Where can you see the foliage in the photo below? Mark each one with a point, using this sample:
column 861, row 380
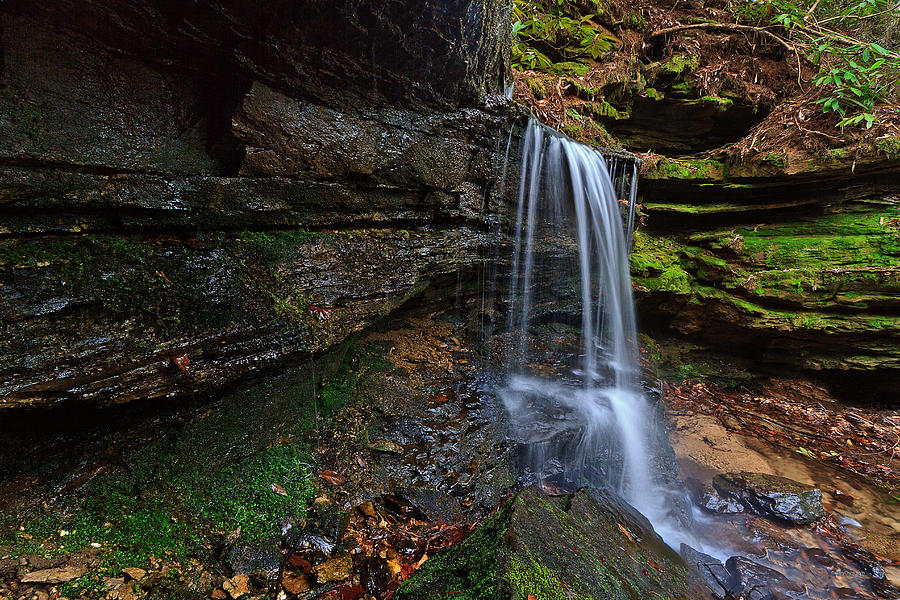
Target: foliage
column 848, row 41
column 861, row 75
column 549, row 31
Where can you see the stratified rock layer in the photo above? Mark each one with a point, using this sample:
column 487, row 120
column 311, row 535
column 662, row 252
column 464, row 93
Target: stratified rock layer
column 788, row 262
column 189, row 194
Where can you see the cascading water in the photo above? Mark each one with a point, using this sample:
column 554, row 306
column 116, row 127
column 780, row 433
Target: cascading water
column 578, row 411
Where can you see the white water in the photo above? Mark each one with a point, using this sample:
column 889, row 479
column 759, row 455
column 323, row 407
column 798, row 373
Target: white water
column 589, row 423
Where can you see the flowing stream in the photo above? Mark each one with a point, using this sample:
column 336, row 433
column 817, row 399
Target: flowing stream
column 587, row 422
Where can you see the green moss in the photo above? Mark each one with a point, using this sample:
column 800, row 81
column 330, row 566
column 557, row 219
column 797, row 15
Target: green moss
column 584, row 91
column 571, row 130
column 605, row 110
column 680, row 64
column 469, row 571
column 653, row 94
column 528, row 578
column 674, row 280
column 342, row 388
column 243, row 463
column 538, row 87
column 890, row 145
column 775, row 158
column 668, row 168
column 273, row 247
column 573, row 69
column 721, row 104
column 652, row 255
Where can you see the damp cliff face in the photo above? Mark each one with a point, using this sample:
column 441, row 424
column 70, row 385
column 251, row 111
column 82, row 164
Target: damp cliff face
column 786, row 263
column 192, row 194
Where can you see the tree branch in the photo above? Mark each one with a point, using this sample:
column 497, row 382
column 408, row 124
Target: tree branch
column 727, row 28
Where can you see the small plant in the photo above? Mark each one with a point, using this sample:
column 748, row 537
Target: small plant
column 555, row 28
column 846, row 41
column 861, row 75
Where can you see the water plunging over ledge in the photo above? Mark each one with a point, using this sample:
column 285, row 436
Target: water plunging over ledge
column 588, row 421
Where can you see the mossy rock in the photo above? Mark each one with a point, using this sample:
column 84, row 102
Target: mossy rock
column 590, row 544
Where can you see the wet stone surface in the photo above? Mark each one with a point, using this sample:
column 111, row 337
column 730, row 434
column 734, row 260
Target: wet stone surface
column 771, row 496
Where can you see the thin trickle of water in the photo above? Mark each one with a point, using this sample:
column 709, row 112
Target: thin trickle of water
column 590, row 423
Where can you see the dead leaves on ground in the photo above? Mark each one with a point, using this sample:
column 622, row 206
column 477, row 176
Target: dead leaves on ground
column 802, row 417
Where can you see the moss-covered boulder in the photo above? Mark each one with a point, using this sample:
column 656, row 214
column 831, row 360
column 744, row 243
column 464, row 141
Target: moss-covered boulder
column 590, row 544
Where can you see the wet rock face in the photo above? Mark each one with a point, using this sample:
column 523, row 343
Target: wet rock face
column 192, row 194
column 349, row 54
column 588, row 545
column 762, row 583
column 783, row 261
column 721, row 582
column 772, row 496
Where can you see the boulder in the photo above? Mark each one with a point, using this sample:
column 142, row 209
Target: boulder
column 772, row 496
column 719, row 581
column 589, row 544
column 762, row 583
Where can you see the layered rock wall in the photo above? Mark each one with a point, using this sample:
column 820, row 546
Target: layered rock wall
column 190, row 194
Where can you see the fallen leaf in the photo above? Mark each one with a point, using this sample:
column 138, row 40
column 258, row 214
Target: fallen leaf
column 297, row 585
column 625, row 531
column 386, row 446
column 332, row 477
column 182, row 362
column 55, row 575
column 237, row 586
column 654, row 565
column 135, row 573
column 334, row 569
column 278, row 489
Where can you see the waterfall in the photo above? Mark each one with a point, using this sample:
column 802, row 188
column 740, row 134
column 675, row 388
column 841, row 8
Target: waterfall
column 573, row 391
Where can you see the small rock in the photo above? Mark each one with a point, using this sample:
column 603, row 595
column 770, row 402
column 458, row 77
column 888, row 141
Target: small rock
column 237, row 586
column 760, row 582
column 717, row 578
column 55, row 575
column 319, row 537
column 135, row 573
column 706, row 497
column 772, row 496
column 865, row 560
column 40, row 563
column 262, row 560
column 218, row 594
column 334, row 569
column 386, row 446
column 297, row 585
column 435, row 506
